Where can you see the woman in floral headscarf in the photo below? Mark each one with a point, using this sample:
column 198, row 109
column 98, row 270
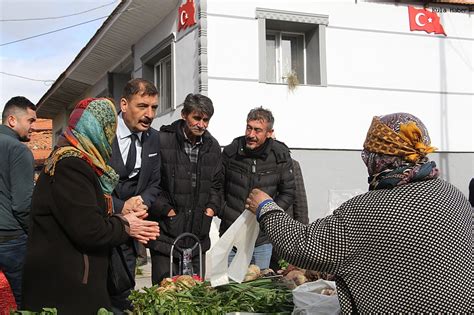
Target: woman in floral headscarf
column 397, row 248
column 72, row 226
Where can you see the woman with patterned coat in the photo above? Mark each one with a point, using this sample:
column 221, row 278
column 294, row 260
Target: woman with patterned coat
column 404, row 246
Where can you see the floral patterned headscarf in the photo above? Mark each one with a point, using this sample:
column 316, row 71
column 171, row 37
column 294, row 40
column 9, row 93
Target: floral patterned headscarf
column 395, row 151
column 89, row 135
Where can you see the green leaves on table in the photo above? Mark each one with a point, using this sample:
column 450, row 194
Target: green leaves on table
column 259, row 296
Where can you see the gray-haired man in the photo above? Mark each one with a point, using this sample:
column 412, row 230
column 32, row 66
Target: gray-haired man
column 191, row 183
column 251, row 161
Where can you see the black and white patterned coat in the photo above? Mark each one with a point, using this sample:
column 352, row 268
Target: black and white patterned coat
column 407, row 249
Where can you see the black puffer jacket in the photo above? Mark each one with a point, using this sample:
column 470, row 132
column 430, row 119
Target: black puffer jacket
column 271, row 172
column 177, row 191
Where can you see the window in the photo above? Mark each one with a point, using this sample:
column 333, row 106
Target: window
column 292, row 44
column 285, row 56
column 158, row 68
column 163, row 83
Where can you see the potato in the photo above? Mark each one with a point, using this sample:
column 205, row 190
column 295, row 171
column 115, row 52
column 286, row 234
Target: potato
column 250, row 276
column 253, row 272
column 297, row 276
column 254, row 268
column 328, row 291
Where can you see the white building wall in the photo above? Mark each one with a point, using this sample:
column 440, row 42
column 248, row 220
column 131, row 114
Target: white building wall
column 184, row 60
column 143, row 45
column 375, row 66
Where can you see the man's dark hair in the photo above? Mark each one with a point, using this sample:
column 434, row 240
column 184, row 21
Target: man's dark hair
column 16, row 103
column 199, row 103
column 139, row 86
column 260, row 113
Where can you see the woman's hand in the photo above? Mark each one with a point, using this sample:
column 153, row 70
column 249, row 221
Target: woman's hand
column 255, row 197
column 142, row 230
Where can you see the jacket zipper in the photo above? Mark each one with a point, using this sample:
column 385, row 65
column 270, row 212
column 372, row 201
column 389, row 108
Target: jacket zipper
column 253, row 171
column 86, row 269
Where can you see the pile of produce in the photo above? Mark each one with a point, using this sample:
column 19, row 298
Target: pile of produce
column 295, row 276
column 185, row 295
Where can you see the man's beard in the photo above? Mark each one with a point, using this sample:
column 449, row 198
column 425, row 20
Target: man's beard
column 25, row 139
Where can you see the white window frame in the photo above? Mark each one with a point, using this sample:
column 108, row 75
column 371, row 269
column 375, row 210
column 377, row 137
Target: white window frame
column 278, row 67
column 313, row 26
column 157, row 57
column 163, row 88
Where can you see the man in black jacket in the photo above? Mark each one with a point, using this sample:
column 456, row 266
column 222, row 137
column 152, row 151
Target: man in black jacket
column 136, row 158
column 256, row 160
column 191, row 183
column 16, row 187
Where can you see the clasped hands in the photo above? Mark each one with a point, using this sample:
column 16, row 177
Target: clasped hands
column 135, row 212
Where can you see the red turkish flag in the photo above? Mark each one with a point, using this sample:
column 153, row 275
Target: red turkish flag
column 186, row 16
column 424, row 20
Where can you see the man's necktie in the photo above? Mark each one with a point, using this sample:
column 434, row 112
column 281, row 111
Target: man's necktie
column 132, row 154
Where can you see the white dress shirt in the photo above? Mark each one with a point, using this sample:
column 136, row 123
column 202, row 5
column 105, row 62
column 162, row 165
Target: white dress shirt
column 124, row 141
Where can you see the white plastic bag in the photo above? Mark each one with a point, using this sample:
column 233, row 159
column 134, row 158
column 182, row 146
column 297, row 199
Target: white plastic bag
column 242, row 234
column 309, row 300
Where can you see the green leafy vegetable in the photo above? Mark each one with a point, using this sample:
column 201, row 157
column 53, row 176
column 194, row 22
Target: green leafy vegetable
column 259, row 296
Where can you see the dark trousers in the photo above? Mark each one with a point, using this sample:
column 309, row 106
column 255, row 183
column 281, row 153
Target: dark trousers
column 160, row 266
column 12, row 258
column 121, row 302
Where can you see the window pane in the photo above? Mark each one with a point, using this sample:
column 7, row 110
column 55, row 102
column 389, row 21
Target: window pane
column 271, row 58
column 292, row 47
column 158, row 77
column 163, row 83
column 286, row 56
column 163, row 96
column 168, row 83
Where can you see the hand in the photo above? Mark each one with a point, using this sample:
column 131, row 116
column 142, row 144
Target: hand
column 140, row 229
column 134, row 204
column 171, row 213
column 255, row 197
column 209, row 212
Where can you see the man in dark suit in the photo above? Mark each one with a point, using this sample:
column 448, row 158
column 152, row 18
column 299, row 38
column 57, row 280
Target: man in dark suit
column 136, row 158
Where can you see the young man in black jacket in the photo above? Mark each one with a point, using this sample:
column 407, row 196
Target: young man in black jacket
column 251, row 161
column 16, row 187
column 191, row 185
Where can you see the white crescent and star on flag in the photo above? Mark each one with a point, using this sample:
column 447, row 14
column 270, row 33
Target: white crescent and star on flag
column 418, row 22
column 183, row 18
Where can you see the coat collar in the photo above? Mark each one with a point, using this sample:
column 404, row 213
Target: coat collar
column 177, row 128
column 9, row 132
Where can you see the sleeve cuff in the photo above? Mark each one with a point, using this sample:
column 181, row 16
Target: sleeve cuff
column 126, row 225
column 261, row 205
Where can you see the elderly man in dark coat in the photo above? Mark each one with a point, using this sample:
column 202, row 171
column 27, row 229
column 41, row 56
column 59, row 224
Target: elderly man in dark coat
column 191, row 182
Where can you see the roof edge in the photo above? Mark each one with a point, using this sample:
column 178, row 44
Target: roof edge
column 99, row 33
